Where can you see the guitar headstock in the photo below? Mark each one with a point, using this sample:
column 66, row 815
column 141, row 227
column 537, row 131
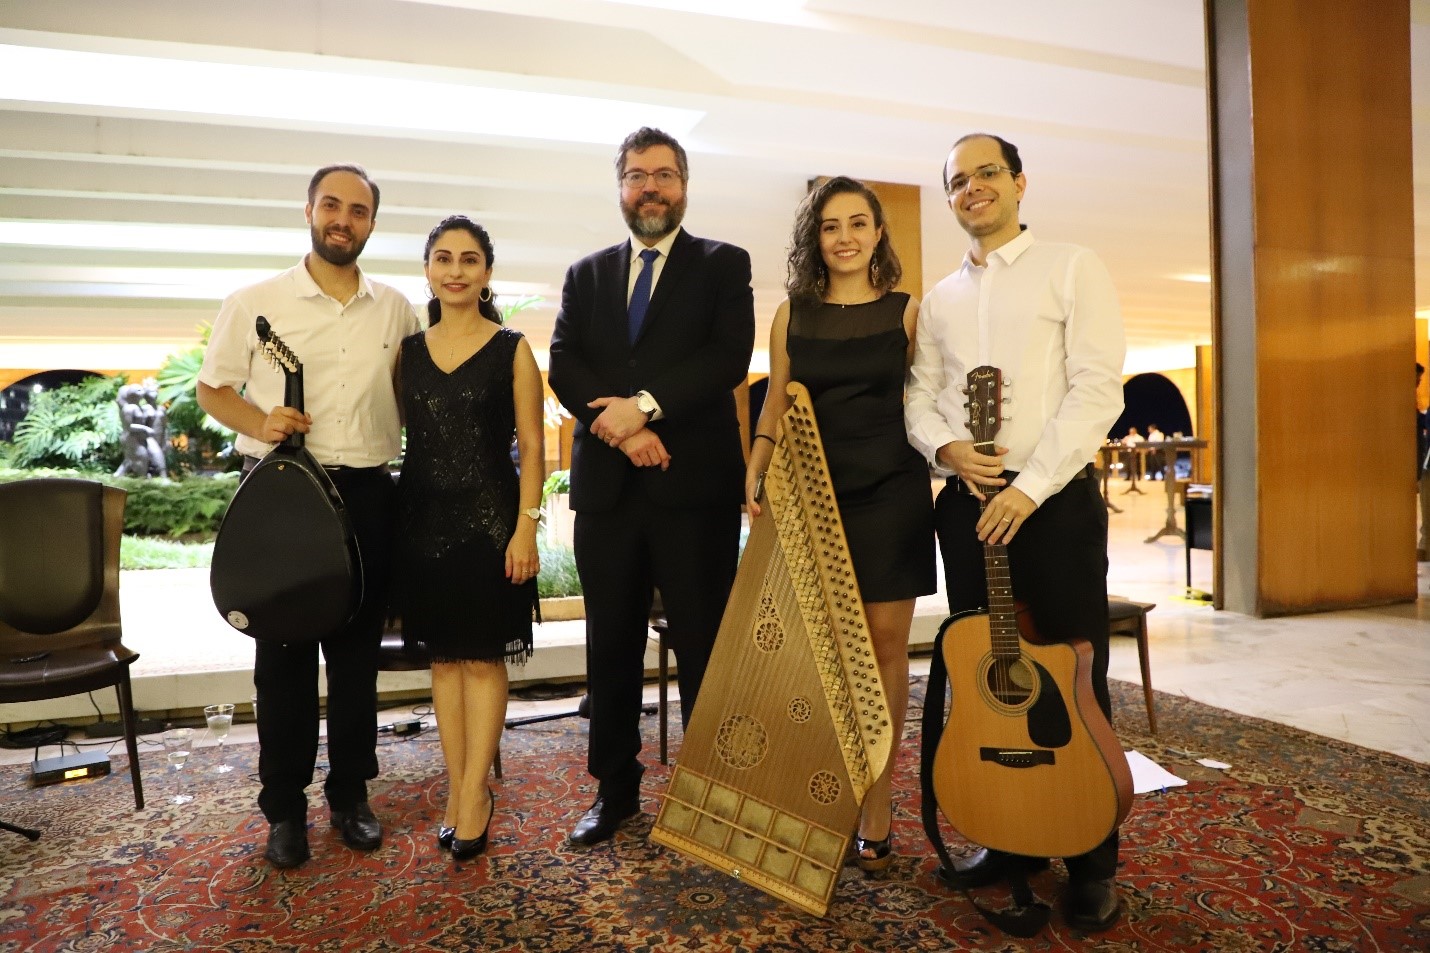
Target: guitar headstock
column 274, row 351
column 985, row 406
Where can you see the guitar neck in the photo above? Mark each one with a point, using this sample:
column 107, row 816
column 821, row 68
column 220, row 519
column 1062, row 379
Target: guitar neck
column 1002, row 610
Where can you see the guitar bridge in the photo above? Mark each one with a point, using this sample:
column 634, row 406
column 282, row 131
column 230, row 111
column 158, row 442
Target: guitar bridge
column 1017, row 757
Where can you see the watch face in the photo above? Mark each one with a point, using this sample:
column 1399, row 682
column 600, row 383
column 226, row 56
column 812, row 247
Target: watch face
column 645, row 403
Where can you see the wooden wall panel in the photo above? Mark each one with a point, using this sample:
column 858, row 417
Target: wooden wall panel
column 1314, row 301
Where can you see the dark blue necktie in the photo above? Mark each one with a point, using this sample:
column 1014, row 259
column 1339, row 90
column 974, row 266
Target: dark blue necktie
column 640, row 295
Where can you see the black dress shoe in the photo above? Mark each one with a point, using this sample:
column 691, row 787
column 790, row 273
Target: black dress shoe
column 1092, row 905
column 360, row 829
column 445, row 836
column 984, row 866
column 287, row 844
column 601, row 821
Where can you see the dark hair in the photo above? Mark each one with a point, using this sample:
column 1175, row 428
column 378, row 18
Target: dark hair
column 487, row 308
column 645, row 137
column 808, row 273
column 1011, row 159
column 356, row 170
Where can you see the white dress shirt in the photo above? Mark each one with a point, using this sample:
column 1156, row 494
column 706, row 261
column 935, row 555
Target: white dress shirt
column 1047, row 316
column 348, row 351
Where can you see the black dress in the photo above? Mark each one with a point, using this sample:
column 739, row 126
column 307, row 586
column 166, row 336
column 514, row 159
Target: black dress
column 459, row 496
column 852, row 359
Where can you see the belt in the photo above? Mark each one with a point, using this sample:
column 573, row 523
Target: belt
column 957, row 485
column 250, row 462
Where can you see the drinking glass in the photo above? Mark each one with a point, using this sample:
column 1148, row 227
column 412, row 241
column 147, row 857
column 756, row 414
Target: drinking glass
column 220, row 719
column 178, row 743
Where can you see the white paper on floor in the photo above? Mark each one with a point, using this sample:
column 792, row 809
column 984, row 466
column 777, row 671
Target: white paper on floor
column 1148, row 775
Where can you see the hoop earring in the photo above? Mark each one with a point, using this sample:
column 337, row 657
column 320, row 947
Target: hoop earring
column 428, row 286
column 485, row 294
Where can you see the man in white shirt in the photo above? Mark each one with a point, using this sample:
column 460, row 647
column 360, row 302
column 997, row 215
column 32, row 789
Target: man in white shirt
column 1047, row 316
column 347, row 331
column 1154, row 463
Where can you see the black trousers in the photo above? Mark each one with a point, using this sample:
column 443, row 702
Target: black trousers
column 1058, row 565
column 622, row 555
column 286, row 675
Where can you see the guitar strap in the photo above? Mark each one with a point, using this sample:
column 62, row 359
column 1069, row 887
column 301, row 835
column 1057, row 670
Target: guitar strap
column 1027, row 917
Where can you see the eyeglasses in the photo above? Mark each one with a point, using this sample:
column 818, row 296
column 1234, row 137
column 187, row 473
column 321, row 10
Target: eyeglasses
column 665, row 178
column 985, row 174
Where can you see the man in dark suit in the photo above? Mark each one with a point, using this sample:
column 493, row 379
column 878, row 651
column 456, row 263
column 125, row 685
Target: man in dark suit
column 653, row 336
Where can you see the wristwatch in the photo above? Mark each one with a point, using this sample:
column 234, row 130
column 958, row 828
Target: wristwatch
column 645, row 403
column 534, row 513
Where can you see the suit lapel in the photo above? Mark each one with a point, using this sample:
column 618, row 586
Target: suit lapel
column 681, row 257
column 618, row 265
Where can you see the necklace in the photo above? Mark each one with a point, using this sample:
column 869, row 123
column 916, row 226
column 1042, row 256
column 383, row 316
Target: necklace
column 850, row 304
column 454, row 340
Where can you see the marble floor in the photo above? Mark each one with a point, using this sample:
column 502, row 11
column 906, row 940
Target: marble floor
column 1361, row 676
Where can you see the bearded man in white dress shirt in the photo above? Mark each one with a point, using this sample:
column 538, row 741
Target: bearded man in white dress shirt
column 1047, row 316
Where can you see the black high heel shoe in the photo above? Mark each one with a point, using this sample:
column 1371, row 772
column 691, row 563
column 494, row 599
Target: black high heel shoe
column 467, row 849
column 880, row 853
column 445, row 836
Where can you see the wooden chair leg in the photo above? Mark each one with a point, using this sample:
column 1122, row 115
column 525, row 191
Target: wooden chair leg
column 1146, row 673
column 664, row 681
column 131, row 741
column 496, row 765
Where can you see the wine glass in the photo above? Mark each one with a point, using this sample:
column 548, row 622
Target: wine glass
column 178, row 743
column 220, row 719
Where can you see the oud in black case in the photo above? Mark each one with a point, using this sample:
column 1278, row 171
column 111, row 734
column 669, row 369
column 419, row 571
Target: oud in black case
column 286, row 566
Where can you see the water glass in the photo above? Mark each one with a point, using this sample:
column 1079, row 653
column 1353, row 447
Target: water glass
column 178, row 745
column 220, row 719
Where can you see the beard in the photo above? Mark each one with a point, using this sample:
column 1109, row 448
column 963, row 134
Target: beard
column 656, row 224
column 342, row 257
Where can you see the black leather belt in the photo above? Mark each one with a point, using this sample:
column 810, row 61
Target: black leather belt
column 958, row 486
column 250, row 462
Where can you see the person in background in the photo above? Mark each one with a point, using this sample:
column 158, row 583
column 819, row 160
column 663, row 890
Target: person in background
column 1047, row 316
column 1154, row 461
column 653, row 336
column 467, row 543
column 1134, row 460
column 346, row 330
column 848, row 337
column 1422, row 467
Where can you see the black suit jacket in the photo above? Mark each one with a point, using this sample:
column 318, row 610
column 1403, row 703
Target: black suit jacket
column 693, row 351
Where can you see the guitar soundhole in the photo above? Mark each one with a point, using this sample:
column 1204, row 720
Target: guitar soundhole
column 1009, row 683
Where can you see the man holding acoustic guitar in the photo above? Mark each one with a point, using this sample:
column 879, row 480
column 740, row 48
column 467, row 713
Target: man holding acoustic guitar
column 1040, row 323
column 348, row 331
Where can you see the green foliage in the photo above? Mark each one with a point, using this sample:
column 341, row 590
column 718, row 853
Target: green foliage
column 559, row 481
column 558, row 571
column 77, row 425
column 189, row 507
column 177, row 380
column 151, row 552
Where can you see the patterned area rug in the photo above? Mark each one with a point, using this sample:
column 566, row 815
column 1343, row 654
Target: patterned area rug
column 1302, row 844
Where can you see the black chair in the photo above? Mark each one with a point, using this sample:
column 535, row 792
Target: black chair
column 59, row 597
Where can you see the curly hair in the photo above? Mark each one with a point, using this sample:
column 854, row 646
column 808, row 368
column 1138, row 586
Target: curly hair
column 488, row 308
column 808, row 274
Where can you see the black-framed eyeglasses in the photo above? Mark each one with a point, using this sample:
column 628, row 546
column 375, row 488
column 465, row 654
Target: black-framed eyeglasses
column 664, row 178
column 985, row 173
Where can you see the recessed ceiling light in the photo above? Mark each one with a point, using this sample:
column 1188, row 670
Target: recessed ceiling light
column 367, row 100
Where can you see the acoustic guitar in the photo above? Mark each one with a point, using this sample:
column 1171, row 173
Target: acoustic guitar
column 1028, row 763
column 286, row 566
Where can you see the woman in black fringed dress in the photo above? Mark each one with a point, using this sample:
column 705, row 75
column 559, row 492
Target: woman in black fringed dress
column 848, row 338
column 467, row 552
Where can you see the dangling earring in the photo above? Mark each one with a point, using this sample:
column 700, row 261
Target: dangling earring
column 823, row 274
column 485, row 294
column 874, row 272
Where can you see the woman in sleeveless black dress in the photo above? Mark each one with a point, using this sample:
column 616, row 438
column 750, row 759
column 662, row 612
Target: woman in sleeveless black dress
column 467, row 553
column 848, row 338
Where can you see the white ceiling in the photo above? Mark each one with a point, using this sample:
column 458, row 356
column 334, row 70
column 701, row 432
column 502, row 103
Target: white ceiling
column 1105, row 98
